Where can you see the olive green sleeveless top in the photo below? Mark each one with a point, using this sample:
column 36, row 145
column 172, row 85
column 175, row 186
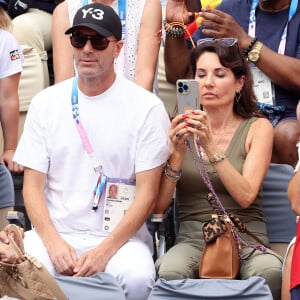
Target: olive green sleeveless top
column 191, row 191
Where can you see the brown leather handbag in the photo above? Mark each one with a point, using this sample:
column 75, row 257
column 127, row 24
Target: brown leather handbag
column 220, row 257
column 28, row 279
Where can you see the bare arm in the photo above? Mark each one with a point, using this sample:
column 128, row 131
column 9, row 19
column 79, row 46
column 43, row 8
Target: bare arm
column 62, row 51
column 149, row 43
column 95, row 260
column 176, row 54
column 245, row 187
column 270, row 62
column 178, row 151
column 9, row 116
column 294, row 193
column 62, row 255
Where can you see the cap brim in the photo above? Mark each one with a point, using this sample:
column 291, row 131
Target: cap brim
column 100, row 30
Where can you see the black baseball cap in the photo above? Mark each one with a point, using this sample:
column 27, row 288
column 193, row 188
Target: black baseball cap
column 99, row 17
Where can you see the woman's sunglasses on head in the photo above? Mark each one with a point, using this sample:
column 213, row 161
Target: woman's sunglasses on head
column 78, row 40
column 227, row 42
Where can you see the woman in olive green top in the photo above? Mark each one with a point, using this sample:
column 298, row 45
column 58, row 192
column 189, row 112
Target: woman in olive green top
column 236, row 144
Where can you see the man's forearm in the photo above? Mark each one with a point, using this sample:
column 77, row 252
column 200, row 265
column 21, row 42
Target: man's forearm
column 177, row 59
column 36, row 205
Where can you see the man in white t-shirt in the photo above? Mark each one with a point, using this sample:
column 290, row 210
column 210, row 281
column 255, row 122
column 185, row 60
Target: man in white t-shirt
column 80, row 136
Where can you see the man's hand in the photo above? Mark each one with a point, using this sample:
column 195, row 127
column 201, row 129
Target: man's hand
column 223, row 25
column 62, row 255
column 91, row 262
column 176, row 11
column 7, row 159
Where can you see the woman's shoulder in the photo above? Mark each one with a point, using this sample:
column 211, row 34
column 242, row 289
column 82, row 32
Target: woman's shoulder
column 261, row 122
column 261, row 126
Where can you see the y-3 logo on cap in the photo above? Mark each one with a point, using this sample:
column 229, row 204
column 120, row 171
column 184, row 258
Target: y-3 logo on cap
column 95, row 13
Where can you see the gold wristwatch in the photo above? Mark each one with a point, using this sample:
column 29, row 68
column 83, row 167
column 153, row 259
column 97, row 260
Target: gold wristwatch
column 254, row 54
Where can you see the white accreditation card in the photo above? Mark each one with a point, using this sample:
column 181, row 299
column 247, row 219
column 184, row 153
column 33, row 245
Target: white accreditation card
column 118, row 198
column 263, row 87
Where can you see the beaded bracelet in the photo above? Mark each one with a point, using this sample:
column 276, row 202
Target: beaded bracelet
column 171, row 177
column 177, row 172
column 249, row 48
column 175, row 30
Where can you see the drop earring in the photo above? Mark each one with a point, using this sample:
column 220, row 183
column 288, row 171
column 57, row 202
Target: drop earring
column 237, row 97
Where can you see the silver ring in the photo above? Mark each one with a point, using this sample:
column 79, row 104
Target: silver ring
column 202, row 127
column 177, row 134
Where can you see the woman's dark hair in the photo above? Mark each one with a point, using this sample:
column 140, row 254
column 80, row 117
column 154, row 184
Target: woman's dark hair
column 230, row 57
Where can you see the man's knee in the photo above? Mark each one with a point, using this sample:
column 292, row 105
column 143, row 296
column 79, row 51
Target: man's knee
column 137, row 285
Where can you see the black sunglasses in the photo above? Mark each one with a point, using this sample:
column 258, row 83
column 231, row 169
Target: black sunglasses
column 78, row 40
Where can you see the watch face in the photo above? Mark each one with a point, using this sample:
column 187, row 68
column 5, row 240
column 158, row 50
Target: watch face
column 253, row 56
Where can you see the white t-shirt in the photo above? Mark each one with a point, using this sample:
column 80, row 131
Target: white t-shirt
column 128, row 129
column 11, row 56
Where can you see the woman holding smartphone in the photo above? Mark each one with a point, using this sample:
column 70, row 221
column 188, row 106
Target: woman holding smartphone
column 236, row 145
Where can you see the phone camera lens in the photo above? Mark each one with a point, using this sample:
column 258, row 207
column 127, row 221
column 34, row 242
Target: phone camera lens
column 185, row 87
column 180, row 90
column 180, row 84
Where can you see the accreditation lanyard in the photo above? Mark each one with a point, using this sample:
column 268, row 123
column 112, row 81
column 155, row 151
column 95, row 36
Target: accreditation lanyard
column 101, row 181
column 121, row 12
column 252, row 23
column 122, row 15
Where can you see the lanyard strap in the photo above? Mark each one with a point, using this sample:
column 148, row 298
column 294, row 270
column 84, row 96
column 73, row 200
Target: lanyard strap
column 252, row 23
column 122, row 15
column 101, row 182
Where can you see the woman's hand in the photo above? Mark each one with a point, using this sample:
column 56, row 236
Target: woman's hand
column 7, row 253
column 188, row 124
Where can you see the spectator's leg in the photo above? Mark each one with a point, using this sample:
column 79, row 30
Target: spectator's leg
column 286, row 136
column 180, row 262
column 133, row 267
column 267, row 265
column 7, row 196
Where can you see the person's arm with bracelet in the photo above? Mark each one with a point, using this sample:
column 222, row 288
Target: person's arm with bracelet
column 176, row 53
column 172, row 170
column 223, row 25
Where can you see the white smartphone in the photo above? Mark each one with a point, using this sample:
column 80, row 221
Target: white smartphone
column 187, row 95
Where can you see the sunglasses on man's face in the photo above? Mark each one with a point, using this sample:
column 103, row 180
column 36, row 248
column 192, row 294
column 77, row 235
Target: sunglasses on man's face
column 78, row 40
column 227, row 42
